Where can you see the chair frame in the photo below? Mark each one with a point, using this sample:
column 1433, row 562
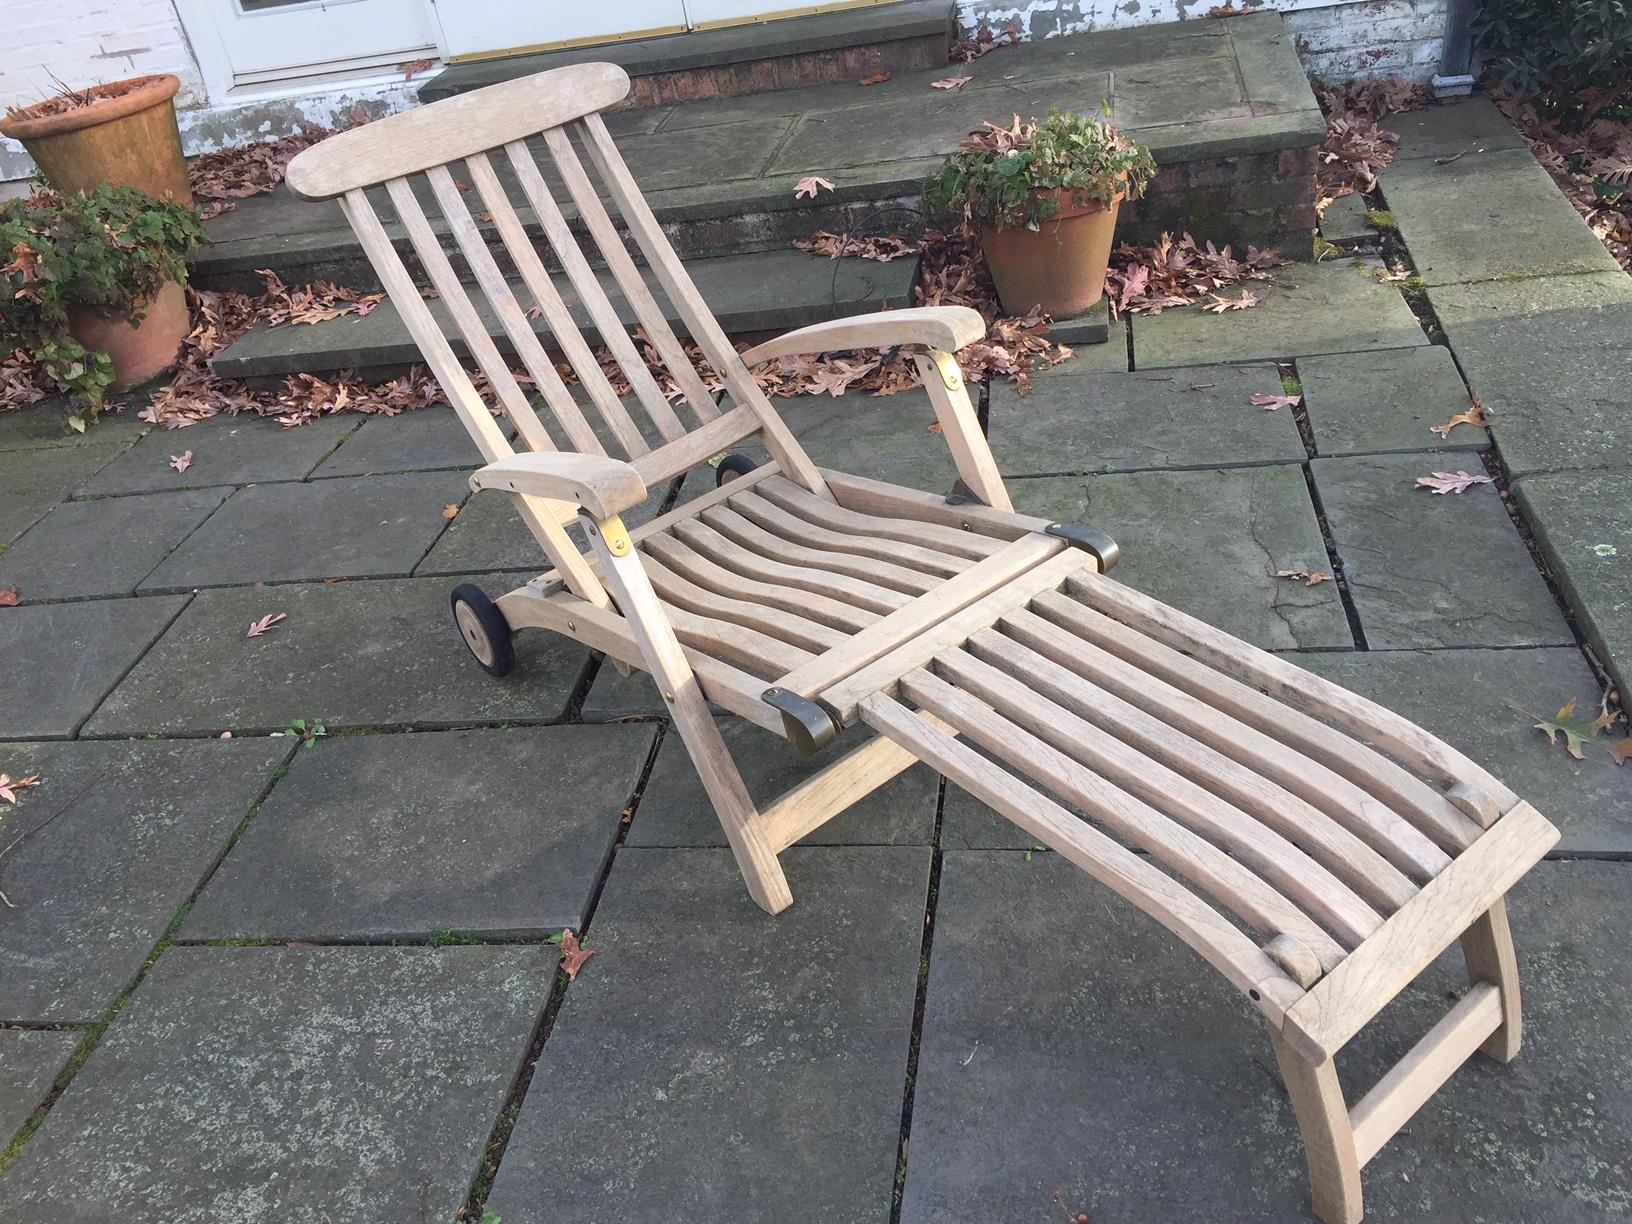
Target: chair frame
column 983, row 642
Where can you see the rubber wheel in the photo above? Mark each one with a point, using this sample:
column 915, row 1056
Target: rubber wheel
column 484, row 628
column 732, row 466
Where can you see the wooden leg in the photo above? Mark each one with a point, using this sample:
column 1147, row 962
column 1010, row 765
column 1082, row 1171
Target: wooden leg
column 1487, row 946
column 687, row 706
column 1328, row 1139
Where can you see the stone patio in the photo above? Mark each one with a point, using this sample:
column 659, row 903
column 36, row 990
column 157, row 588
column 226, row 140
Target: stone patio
column 947, row 1018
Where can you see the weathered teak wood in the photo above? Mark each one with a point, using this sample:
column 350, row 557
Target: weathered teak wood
column 1314, row 848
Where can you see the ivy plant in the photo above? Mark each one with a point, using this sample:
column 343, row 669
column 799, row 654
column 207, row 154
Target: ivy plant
column 110, row 249
column 1003, row 177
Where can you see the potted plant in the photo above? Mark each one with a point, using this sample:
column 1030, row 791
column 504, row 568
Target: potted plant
column 121, row 134
column 1044, row 197
column 93, row 286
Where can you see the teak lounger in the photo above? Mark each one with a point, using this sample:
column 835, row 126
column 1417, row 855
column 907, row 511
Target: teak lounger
column 1314, row 848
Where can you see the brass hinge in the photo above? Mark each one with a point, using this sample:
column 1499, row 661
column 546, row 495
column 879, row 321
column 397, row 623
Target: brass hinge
column 947, row 364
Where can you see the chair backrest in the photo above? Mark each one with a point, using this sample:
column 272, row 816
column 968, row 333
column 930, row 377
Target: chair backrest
column 487, row 131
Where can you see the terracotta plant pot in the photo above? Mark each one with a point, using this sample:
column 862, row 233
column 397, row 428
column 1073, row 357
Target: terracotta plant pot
column 138, row 351
column 125, row 137
column 1060, row 265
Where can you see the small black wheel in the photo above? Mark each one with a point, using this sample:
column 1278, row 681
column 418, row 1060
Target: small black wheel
column 484, row 628
column 733, row 465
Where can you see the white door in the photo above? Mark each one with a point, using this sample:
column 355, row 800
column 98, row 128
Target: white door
column 477, row 29
column 267, row 43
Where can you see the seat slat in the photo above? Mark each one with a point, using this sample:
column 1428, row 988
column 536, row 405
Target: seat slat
column 784, row 626
column 852, row 565
column 1129, row 875
column 593, row 297
column 1305, row 692
column 473, row 245
column 1283, row 865
column 1369, row 818
column 759, row 652
column 790, row 527
column 728, row 553
column 1330, row 843
column 684, row 560
column 836, row 518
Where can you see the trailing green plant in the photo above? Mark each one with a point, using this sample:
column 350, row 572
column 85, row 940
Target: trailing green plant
column 110, row 249
column 998, row 175
column 1545, row 45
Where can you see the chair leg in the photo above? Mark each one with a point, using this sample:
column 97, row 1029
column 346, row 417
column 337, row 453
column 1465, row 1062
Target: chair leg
column 1487, row 947
column 1328, row 1138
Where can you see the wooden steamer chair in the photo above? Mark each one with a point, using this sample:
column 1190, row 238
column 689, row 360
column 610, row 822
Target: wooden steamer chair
column 1314, row 848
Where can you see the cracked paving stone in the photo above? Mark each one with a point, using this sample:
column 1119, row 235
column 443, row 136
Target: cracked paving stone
column 1430, row 570
column 1098, row 1059
column 116, row 837
column 269, row 1085
column 29, row 1062
column 766, row 1090
column 375, row 837
column 1210, row 543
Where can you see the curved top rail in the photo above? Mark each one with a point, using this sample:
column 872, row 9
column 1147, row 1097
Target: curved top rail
column 454, row 128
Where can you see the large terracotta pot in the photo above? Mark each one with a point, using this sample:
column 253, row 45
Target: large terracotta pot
column 141, row 351
column 1060, row 265
column 125, row 137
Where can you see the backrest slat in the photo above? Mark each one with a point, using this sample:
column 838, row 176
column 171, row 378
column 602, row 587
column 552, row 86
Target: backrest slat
column 683, row 295
column 546, row 300
column 590, row 293
column 593, row 214
column 470, row 325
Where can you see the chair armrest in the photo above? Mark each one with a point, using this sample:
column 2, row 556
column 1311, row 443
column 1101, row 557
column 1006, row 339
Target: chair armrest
column 947, row 328
column 600, row 485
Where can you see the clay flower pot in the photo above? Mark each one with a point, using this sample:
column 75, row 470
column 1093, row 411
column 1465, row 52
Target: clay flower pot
column 138, row 351
column 1060, row 265
column 126, row 136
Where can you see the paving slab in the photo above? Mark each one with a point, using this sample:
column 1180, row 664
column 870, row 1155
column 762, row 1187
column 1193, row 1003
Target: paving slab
column 1549, row 357
column 1476, row 700
column 376, row 837
column 117, row 838
column 105, row 546
column 74, row 654
column 1433, row 570
column 674, row 811
column 359, row 527
column 350, row 654
column 32, row 481
column 613, row 696
column 226, row 450
column 1092, row 358
column 262, row 1085
column 1344, row 220
column 1114, row 1069
column 885, row 437
column 422, row 440
column 45, row 425
column 1459, row 129
column 1210, row 543
column 1491, row 216
column 1363, row 403
column 29, row 1062
column 1197, row 418
column 1309, row 309
column 1583, row 526
column 772, row 1094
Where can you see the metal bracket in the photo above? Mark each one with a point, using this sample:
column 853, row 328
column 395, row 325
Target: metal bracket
column 947, row 364
column 809, row 726
column 612, row 531
column 1091, row 540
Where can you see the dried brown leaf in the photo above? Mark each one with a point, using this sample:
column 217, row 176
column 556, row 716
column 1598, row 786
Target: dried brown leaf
column 451, row 510
column 811, row 186
column 1274, row 403
column 956, row 82
column 1307, row 577
column 10, row 596
column 573, row 954
column 182, row 461
column 265, row 624
column 9, row 786
column 1451, row 482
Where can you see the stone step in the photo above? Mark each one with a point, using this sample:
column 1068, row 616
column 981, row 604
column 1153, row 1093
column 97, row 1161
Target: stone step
column 1222, row 103
column 769, row 291
column 733, row 60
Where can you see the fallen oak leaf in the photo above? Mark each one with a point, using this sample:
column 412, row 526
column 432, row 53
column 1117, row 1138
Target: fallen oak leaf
column 1273, row 403
column 878, row 78
column 182, row 461
column 1477, row 415
column 1452, row 482
column 414, row 67
column 9, row 788
column 1576, row 731
column 1218, row 305
column 957, row 82
column 1307, row 577
column 811, row 185
column 9, row 596
column 1620, row 749
column 451, row 510
column 573, row 953
column 266, row 623
column 934, row 427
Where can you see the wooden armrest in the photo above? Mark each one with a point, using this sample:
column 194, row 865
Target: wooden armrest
column 600, row 485
column 947, row 328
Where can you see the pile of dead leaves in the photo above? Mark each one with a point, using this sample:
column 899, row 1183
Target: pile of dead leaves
column 1356, row 148
column 883, row 247
column 1170, row 272
column 233, row 174
column 1590, row 159
column 968, row 50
